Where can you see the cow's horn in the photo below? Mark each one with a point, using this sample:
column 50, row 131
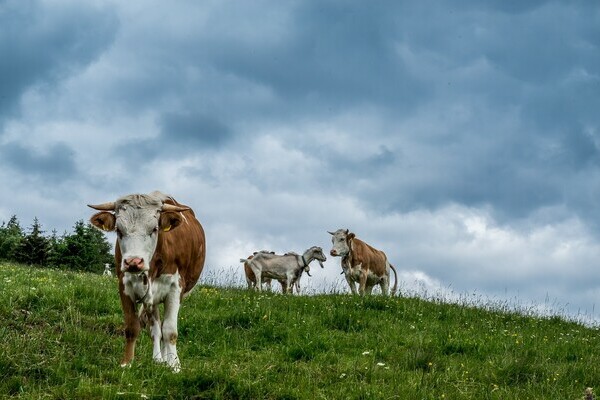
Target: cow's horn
column 331, row 233
column 171, row 207
column 103, row 207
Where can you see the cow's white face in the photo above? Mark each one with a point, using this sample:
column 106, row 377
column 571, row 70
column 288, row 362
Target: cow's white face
column 137, row 219
column 137, row 234
column 341, row 242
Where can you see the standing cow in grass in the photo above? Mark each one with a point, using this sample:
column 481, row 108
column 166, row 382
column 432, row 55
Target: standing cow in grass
column 362, row 263
column 159, row 254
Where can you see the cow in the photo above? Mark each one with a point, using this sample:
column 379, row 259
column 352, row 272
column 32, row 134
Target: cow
column 287, row 269
column 362, row 263
column 250, row 277
column 159, row 254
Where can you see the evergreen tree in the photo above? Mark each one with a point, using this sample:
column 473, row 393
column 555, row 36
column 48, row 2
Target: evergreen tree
column 34, row 247
column 11, row 235
column 85, row 250
column 55, row 248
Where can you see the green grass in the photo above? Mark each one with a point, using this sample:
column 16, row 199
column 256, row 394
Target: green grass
column 61, row 337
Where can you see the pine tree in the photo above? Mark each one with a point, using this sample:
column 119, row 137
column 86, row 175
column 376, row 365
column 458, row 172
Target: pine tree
column 11, row 235
column 55, row 248
column 34, row 247
column 86, row 249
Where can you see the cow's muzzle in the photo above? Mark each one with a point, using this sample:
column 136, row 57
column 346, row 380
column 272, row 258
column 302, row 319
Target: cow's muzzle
column 134, row 264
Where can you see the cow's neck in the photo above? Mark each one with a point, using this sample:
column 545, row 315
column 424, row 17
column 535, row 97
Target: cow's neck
column 348, row 259
column 147, row 282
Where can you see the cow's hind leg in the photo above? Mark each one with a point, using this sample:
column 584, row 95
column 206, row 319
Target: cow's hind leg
column 169, row 330
column 385, row 285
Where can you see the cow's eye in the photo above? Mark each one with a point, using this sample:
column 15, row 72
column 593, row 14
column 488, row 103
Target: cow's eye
column 119, row 233
column 155, row 229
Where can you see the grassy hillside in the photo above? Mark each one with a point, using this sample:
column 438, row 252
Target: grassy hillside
column 62, row 338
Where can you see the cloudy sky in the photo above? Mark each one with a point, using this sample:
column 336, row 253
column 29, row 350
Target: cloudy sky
column 462, row 138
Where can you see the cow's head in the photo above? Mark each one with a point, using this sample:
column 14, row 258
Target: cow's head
column 342, row 242
column 137, row 219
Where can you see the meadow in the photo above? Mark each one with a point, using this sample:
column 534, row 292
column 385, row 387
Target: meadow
column 62, row 338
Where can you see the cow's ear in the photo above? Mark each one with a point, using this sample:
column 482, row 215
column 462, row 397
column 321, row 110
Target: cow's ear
column 169, row 220
column 350, row 236
column 104, row 220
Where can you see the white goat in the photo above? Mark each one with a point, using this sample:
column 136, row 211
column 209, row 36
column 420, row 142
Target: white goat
column 287, row 269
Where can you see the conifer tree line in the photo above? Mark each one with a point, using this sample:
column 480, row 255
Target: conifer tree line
column 86, row 249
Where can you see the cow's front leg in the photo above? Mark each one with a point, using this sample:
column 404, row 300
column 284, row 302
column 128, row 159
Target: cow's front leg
column 362, row 280
column 350, row 283
column 132, row 329
column 155, row 332
column 169, row 328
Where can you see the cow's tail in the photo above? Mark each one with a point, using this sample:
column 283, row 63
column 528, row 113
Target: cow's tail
column 396, row 281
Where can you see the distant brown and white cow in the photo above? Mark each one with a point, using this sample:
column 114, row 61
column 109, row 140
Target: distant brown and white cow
column 362, row 263
column 159, row 253
column 287, row 269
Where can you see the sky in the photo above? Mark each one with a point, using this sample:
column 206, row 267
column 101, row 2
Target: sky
column 462, row 138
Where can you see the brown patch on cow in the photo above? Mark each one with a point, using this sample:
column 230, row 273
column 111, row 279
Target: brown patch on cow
column 173, row 338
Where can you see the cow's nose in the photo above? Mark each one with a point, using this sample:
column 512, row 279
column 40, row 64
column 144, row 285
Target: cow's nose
column 134, row 264
column 333, row 253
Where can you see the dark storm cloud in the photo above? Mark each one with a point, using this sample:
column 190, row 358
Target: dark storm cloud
column 193, row 130
column 334, row 55
column 461, row 137
column 51, row 165
column 41, row 44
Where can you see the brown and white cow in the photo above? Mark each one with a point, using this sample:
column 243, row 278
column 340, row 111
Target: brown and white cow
column 362, row 263
column 159, row 254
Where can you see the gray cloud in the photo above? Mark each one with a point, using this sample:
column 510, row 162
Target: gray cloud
column 41, row 44
column 194, row 130
column 401, row 120
column 52, row 165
